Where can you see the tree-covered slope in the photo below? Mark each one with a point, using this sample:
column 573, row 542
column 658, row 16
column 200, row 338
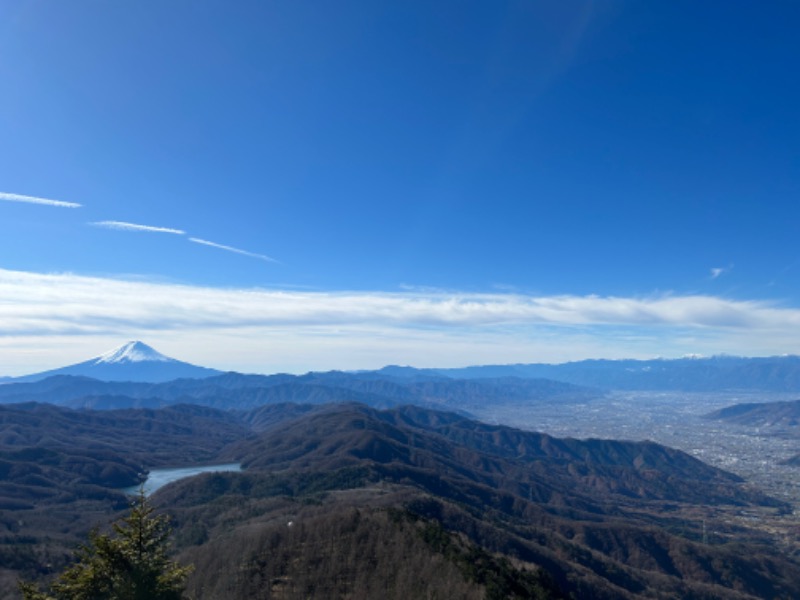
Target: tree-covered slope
column 344, row 500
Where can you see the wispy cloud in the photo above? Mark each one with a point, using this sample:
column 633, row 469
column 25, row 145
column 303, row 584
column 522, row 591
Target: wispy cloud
column 232, row 249
column 135, row 227
column 719, row 271
column 123, row 226
column 70, row 298
column 269, row 330
column 36, row 200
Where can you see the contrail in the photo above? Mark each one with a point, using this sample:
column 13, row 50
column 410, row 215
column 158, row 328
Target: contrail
column 35, row 200
column 231, row 249
column 123, row 226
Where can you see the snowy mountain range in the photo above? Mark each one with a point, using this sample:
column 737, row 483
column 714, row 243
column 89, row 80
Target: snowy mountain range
column 133, row 361
column 139, row 363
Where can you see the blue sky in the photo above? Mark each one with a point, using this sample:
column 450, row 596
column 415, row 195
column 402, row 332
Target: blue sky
column 269, row 186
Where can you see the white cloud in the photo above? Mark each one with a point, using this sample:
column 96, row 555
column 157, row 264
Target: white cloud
column 123, row 226
column 719, row 271
column 270, row 330
column 135, row 227
column 231, row 249
column 36, row 200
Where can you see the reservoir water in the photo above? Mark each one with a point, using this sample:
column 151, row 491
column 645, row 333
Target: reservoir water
column 158, row 478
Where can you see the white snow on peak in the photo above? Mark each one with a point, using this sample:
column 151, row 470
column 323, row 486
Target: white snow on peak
column 131, row 352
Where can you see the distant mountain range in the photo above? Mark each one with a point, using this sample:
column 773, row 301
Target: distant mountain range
column 133, row 361
column 382, row 477
column 243, row 392
column 708, row 374
column 136, row 362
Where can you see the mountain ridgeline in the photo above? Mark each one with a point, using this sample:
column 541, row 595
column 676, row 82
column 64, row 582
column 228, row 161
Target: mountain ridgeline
column 783, row 416
column 380, row 484
column 695, row 374
column 242, row 392
column 133, row 361
column 344, row 499
column 136, row 375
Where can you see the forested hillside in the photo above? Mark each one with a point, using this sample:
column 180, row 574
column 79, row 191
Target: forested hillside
column 344, row 499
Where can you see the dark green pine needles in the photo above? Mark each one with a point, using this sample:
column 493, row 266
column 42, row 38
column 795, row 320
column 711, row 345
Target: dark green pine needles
column 130, row 564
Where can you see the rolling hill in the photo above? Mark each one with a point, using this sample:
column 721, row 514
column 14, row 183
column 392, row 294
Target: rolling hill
column 344, row 499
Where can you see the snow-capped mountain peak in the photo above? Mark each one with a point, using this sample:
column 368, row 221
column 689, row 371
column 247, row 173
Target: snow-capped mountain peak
column 132, row 352
column 134, row 361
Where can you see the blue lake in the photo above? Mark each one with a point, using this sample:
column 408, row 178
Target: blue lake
column 158, row 478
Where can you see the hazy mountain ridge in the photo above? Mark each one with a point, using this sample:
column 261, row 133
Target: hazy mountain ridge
column 137, row 362
column 716, row 373
column 775, row 415
column 242, row 392
column 780, row 419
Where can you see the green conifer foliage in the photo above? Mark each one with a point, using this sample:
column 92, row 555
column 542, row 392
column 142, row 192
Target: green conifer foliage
column 130, row 564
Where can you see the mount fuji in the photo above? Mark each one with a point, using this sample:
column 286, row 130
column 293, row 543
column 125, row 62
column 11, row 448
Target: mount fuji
column 133, row 361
